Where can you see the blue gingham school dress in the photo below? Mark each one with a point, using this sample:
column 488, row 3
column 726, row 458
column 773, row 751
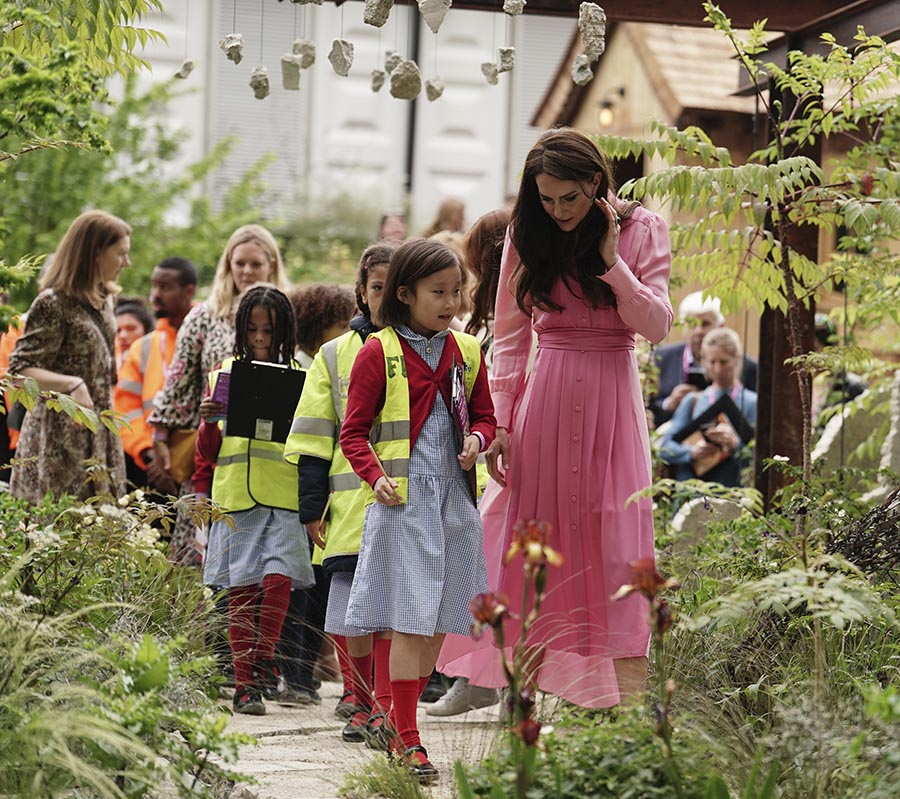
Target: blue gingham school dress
column 260, row 541
column 336, row 612
column 421, row 563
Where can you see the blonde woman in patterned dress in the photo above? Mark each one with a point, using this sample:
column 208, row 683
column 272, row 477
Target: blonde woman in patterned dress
column 205, row 339
column 67, row 347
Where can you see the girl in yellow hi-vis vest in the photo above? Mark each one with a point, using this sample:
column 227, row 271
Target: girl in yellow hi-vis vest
column 421, row 559
column 264, row 551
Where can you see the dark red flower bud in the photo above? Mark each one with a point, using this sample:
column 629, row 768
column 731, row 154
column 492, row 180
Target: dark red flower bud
column 867, row 183
column 528, row 731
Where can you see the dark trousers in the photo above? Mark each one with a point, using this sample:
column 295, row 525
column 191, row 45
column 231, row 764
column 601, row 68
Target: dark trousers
column 303, row 633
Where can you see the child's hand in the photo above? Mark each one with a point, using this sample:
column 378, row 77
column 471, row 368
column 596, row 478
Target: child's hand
column 385, row 491
column 209, row 407
column 471, row 448
column 316, row 531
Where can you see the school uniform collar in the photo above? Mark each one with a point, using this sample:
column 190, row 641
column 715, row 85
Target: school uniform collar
column 411, row 335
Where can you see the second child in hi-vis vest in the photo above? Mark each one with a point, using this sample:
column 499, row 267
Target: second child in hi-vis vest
column 332, row 502
column 421, row 559
column 262, row 552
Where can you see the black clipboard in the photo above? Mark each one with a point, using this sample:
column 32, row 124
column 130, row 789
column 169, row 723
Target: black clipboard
column 262, row 399
column 725, row 404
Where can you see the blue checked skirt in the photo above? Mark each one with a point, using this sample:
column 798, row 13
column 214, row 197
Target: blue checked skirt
column 338, row 599
column 421, row 563
column 263, row 541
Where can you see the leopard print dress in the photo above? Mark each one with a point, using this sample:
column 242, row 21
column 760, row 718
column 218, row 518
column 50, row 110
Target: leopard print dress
column 70, row 337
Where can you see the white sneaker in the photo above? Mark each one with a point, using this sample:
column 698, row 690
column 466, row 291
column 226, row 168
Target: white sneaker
column 461, row 698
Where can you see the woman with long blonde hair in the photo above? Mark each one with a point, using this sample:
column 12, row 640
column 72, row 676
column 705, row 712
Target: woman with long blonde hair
column 205, row 339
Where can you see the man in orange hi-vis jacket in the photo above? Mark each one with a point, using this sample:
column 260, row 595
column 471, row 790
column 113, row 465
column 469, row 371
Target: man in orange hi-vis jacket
column 143, row 371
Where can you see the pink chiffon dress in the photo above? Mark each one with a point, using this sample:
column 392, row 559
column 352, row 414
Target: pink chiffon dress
column 579, row 450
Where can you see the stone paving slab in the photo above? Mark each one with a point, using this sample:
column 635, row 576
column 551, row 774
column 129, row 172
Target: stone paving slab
column 300, row 754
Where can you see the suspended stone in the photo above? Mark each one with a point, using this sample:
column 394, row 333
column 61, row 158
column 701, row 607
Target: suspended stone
column 433, row 12
column 307, row 2
column 377, row 12
column 490, row 70
column 391, row 59
column 186, row 68
column 259, row 82
column 290, row 72
column 341, row 56
column 513, row 7
column 378, row 78
column 406, row 81
column 306, row 49
column 434, row 87
column 582, row 73
column 592, row 24
column 233, row 45
column 507, row 58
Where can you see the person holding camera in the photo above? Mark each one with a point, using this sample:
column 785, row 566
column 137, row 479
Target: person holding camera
column 715, row 452
column 680, row 371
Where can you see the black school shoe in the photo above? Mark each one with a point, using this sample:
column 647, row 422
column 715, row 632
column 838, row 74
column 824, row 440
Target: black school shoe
column 417, row 763
column 345, row 707
column 354, row 731
column 434, row 688
column 248, row 702
column 267, row 678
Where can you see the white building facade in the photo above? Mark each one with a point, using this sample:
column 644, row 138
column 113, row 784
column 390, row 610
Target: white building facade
column 336, row 136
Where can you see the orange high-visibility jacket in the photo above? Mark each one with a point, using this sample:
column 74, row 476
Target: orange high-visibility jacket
column 7, row 345
column 141, row 378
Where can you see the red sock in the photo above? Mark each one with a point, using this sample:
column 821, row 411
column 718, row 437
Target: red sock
column 343, row 656
column 382, row 655
column 276, row 595
column 362, row 680
column 423, row 681
column 405, row 696
column 241, row 631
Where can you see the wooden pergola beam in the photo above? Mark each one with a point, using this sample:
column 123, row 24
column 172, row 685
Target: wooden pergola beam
column 782, row 15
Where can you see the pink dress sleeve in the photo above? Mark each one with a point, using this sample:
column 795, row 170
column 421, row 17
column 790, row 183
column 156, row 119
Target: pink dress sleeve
column 512, row 341
column 640, row 278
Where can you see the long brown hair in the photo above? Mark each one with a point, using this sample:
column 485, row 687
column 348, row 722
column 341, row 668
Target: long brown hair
column 483, row 247
column 546, row 253
column 75, row 269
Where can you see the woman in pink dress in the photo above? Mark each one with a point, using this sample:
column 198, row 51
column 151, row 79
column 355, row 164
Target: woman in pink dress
column 586, row 272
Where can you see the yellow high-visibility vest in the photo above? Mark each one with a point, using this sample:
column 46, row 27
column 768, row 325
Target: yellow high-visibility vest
column 391, row 428
column 316, row 431
column 251, row 472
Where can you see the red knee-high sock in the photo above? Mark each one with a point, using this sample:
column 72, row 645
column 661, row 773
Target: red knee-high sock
column 382, row 656
column 242, row 631
column 343, row 656
column 362, row 680
column 405, row 696
column 276, row 595
column 423, row 681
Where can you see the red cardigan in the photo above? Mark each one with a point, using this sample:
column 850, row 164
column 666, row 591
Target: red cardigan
column 366, row 399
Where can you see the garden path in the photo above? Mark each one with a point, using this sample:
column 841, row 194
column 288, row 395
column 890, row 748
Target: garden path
column 300, row 754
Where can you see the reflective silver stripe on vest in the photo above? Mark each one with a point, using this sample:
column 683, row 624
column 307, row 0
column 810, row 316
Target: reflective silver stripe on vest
column 243, row 457
column 132, row 415
column 227, row 460
column 345, row 482
column 330, row 356
column 131, row 386
column 266, row 454
column 397, row 467
column 146, row 341
column 390, row 431
column 310, row 426
column 147, row 405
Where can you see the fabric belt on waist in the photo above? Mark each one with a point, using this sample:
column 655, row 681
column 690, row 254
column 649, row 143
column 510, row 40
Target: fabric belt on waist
column 575, row 338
